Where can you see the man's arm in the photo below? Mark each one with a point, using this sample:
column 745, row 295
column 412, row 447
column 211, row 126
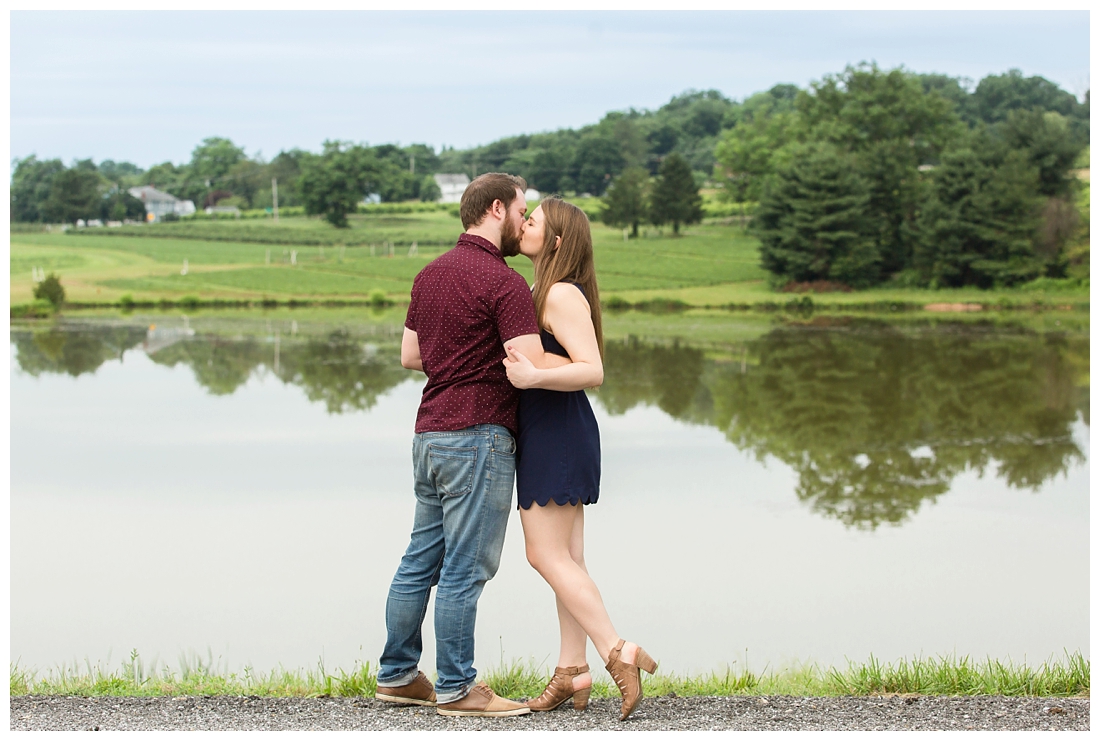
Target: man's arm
column 531, row 346
column 410, row 351
column 570, row 320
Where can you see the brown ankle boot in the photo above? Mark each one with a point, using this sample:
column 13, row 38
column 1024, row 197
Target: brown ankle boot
column 561, row 689
column 627, row 676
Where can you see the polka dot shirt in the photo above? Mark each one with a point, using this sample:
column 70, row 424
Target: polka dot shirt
column 465, row 305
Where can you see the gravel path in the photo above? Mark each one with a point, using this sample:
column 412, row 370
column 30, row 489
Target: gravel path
column 898, row 713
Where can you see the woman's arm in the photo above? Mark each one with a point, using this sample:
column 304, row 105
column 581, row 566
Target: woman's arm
column 569, row 318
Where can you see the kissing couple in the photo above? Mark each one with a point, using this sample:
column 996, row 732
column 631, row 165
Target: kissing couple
column 504, row 404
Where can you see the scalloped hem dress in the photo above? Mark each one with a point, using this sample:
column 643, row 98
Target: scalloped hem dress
column 558, row 446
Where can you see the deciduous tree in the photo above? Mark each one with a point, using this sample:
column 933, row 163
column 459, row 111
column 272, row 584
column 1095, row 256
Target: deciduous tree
column 625, row 201
column 74, row 194
column 30, row 187
column 50, row 289
column 334, row 183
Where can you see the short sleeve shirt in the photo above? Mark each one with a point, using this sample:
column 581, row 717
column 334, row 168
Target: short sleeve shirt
column 465, row 305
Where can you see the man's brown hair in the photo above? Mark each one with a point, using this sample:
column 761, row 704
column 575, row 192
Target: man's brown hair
column 479, row 195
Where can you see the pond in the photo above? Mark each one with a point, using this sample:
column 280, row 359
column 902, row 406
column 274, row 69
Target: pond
column 236, row 490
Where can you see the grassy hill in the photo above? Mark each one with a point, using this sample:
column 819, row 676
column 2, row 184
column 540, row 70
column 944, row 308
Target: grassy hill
column 714, row 263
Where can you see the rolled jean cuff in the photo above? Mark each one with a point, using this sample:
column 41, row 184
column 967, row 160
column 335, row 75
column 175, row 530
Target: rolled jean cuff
column 401, row 680
column 441, row 698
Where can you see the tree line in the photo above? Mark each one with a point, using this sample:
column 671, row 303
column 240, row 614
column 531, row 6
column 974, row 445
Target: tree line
column 47, row 191
column 872, row 176
column 219, row 173
column 868, row 176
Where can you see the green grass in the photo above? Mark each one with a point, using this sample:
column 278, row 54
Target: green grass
column 945, row 675
column 426, row 227
column 275, row 280
column 706, row 255
column 711, row 264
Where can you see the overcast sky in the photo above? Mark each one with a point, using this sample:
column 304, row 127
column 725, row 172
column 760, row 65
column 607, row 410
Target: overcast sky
column 148, row 86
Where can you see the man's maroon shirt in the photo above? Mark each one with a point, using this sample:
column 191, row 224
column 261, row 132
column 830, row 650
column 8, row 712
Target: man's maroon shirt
column 465, row 305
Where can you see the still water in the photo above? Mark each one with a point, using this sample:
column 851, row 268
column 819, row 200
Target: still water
column 237, row 490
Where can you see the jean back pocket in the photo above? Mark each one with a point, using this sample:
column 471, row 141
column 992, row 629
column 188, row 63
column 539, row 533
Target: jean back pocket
column 452, row 469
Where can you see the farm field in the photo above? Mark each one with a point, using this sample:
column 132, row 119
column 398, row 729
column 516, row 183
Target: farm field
column 711, row 264
column 300, row 258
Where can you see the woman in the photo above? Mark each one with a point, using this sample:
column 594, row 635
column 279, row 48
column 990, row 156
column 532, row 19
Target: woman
column 558, row 453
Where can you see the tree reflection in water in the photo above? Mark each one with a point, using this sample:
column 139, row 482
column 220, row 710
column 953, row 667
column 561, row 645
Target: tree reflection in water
column 344, row 371
column 875, row 419
column 72, row 350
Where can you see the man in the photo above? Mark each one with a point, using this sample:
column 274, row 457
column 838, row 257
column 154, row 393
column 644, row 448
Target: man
column 465, row 305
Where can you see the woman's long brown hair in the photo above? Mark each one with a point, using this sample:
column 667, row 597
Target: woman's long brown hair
column 571, row 261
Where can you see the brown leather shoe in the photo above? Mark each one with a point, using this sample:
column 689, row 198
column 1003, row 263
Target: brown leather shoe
column 482, row 702
column 561, row 689
column 627, row 676
column 417, row 692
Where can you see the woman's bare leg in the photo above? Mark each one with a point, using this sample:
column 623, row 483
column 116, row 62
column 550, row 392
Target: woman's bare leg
column 574, row 641
column 554, row 536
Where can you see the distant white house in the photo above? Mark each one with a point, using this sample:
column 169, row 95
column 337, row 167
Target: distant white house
column 158, row 203
column 451, row 186
column 532, row 195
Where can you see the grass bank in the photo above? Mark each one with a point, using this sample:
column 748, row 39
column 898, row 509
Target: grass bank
column 945, row 675
column 307, row 261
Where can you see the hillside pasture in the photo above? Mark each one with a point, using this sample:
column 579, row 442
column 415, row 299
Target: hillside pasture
column 710, row 264
column 253, row 258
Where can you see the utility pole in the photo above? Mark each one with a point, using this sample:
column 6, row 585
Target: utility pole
column 275, row 197
column 412, row 164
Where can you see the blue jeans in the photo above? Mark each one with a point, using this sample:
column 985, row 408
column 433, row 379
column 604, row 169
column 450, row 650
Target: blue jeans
column 463, row 485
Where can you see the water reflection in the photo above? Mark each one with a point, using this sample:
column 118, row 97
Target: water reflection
column 343, row 372
column 874, row 419
column 339, row 369
column 74, row 350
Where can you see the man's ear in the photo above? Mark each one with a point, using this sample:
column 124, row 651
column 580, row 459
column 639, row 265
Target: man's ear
column 500, row 212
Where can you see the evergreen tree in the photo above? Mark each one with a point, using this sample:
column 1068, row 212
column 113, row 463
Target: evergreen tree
column 981, row 218
column 625, row 202
column 892, row 126
column 675, row 198
column 812, row 221
column 1049, row 144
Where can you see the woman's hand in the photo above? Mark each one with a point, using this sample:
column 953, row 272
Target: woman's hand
column 521, row 372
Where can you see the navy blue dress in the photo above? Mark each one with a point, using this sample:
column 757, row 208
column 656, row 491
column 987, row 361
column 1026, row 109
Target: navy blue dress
column 558, row 447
